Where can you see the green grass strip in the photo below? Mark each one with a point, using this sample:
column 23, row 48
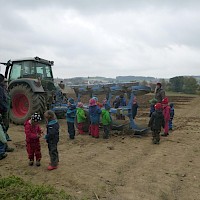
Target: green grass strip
column 15, row 188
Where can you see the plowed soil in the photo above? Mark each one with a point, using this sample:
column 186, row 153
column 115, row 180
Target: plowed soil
column 123, row 167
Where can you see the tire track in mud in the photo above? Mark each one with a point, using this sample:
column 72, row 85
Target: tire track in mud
column 166, row 171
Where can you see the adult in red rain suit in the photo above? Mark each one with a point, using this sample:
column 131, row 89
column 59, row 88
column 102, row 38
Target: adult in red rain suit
column 33, row 133
column 166, row 113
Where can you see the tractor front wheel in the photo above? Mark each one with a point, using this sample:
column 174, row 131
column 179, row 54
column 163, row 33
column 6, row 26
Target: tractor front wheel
column 25, row 103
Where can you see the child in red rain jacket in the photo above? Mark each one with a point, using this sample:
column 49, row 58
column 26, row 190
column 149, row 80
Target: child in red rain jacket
column 166, row 113
column 33, row 133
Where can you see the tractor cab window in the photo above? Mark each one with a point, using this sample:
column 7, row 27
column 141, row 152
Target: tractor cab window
column 28, row 69
column 48, row 71
column 40, row 70
column 15, row 72
column 43, row 70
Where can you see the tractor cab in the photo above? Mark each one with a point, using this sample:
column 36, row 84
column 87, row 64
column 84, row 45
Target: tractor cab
column 31, row 68
column 35, row 68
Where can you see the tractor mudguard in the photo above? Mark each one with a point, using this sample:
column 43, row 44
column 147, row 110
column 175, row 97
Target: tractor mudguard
column 34, row 84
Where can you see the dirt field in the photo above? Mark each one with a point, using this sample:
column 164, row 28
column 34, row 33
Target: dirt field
column 123, row 167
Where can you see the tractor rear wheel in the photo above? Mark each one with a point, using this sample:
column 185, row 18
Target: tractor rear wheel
column 25, row 103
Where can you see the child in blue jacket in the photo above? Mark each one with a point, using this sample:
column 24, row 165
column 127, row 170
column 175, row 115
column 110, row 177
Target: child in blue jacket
column 70, row 116
column 52, row 138
column 171, row 116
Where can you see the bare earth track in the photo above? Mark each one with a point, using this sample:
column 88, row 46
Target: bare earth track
column 123, row 167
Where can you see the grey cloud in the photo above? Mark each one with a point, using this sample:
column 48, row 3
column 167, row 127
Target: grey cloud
column 105, row 37
column 97, row 5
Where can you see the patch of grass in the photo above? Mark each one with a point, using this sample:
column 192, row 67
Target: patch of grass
column 15, row 188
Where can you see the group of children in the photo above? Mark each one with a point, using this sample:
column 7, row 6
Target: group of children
column 33, row 131
column 94, row 115
column 161, row 115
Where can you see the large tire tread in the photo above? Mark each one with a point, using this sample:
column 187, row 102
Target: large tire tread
column 37, row 102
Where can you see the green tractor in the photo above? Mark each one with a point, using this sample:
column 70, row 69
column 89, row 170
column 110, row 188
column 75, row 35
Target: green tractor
column 31, row 87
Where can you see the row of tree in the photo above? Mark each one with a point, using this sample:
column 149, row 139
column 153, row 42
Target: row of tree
column 185, row 84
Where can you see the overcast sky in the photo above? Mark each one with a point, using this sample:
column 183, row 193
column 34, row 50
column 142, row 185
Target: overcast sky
column 107, row 38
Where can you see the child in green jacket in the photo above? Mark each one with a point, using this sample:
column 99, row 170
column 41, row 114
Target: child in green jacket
column 81, row 118
column 106, row 121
